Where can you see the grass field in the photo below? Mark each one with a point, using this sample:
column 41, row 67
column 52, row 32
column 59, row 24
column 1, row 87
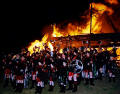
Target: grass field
column 101, row 87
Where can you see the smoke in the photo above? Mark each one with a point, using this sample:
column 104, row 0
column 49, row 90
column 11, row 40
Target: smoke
column 113, row 2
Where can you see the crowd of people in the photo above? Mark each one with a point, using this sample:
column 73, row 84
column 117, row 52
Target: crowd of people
column 67, row 69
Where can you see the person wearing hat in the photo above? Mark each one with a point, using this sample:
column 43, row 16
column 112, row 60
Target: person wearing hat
column 100, row 62
column 51, row 83
column 63, row 73
column 39, row 85
column 33, row 77
column 75, row 80
column 70, row 78
column 19, row 82
column 88, row 69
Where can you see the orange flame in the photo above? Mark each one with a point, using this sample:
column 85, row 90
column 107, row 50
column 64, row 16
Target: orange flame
column 118, row 53
column 38, row 44
column 55, row 32
column 102, row 8
column 72, row 29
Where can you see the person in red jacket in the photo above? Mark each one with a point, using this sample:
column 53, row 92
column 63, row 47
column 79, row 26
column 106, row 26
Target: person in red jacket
column 51, row 84
column 33, row 78
column 88, row 63
column 39, row 85
column 7, row 76
column 70, row 77
column 19, row 82
column 75, row 83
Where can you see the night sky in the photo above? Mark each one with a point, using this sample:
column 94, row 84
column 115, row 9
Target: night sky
column 22, row 22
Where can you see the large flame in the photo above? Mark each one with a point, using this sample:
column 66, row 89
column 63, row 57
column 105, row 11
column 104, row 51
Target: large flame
column 56, row 33
column 38, row 45
column 72, row 29
column 117, row 52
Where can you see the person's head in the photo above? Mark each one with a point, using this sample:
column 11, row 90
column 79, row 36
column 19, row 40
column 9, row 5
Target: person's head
column 111, row 58
column 28, row 53
column 105, row 49
column 39, row 63
column 59, row 57
column 88, row 54
column 22, row 58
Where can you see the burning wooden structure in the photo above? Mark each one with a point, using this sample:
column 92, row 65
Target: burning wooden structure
column 93, row 40
column 99, row 28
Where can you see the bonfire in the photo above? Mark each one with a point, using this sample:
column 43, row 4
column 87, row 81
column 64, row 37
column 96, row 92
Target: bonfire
column 94, row 23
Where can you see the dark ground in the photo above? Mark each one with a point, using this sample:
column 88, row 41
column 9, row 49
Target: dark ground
column 101, row 87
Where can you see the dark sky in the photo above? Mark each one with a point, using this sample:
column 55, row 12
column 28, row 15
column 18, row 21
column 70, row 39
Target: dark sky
column 22, row 22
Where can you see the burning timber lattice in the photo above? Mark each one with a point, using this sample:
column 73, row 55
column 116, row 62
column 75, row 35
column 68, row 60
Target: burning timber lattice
column 96, row 40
